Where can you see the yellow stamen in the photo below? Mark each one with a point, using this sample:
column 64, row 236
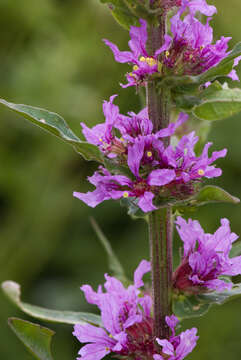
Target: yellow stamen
column 201, row 172
column 201, row 47
column 142, row 58
column 151, row 61
column 167, row 54
column 149, row 153
column 121, row 139
column 135, row 67
column 100, row 139
column 125, row 194
column 107, row 349
column 190, row 56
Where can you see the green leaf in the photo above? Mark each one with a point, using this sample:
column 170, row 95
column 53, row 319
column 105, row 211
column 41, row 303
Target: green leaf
column 13, row 292
column 187, row 307
column 36, row 338
column 128, row 12
column 218, row 105
column 57, row 126
column 213, row 194
column 114, row 263
column 221, row 297
column 122, row 13
column 236, row 249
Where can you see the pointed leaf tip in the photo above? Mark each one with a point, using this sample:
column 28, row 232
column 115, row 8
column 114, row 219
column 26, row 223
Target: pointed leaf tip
column 36, row 338
column 56, row 125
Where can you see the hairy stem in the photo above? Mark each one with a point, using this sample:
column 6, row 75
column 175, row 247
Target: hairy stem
column 160, row 234
column 160, row 227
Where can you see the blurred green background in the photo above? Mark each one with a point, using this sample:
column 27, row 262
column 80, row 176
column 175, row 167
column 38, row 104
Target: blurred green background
column 52, row 56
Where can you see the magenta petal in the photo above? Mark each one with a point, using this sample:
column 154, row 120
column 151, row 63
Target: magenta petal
column 89, row 333
column 161, row 177
column 143, row 268
column 120, row 56
column 167, row 347
column 93, row 352
column 145, row 202
column 188, row 341
column 93, row 198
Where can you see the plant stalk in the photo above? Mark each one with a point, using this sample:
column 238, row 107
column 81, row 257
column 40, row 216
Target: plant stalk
column 160, row 223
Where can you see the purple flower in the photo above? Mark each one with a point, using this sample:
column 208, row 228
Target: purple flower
column 205, row 258
column 156, row 171
column 143, row 63
column 130, row 127
column 189, row 50
column 127, row 324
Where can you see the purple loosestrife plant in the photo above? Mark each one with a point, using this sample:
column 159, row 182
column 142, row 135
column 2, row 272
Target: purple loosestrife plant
column 126, row 314
column 158, row 167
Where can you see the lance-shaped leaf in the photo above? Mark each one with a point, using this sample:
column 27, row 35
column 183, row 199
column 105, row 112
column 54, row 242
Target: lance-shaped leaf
column 114, row 263
column 36, row 338
column 57, row 126
column 13, row 292
column 221, row 297
column 213, row 194
column 185, row 307
column 218, row 105
column 208, row 194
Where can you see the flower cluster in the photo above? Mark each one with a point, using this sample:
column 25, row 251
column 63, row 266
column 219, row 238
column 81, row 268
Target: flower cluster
column 187, row 51
column 127, row 332
column 156, row 171
column 205, row 258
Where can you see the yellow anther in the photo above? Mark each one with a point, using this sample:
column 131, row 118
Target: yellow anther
column 201, row 47
column 121, row 139
column 100, row 139
column 107, row 349
column 190, row 56
column 131, row 74
column 167, row 54
column 142, row 58
column 201, row 172
column 135, row 67
column 125, row 194
column 150, row 61
column 149, row 153
column 111, row 336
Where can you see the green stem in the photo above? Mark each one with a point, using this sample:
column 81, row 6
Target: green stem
column 160, row 234
column 160, row 226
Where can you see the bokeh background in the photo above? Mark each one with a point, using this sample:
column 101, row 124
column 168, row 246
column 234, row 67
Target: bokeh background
column 52, row 56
